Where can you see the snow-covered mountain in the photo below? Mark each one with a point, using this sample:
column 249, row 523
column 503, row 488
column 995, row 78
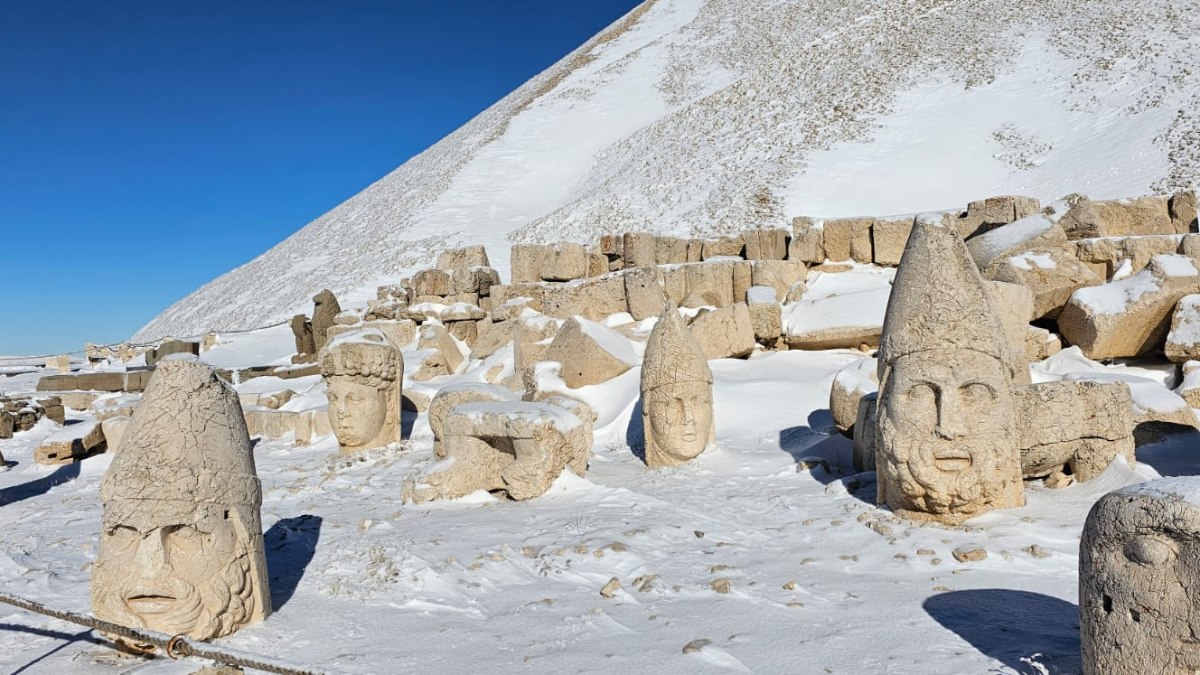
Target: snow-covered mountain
column 706, row 116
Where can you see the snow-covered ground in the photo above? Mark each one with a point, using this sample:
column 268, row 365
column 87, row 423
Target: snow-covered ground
column 700, row 117
column 820, row 580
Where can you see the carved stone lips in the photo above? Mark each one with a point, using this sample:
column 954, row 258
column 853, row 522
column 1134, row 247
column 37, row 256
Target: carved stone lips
column 150, row 604
column 951, row 459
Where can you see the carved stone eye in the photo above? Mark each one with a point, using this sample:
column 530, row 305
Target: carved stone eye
column 1149, row 551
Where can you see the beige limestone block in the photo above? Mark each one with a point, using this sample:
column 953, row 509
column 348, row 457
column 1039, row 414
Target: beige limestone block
column 454, row 395
column 849, row 239
column 1183, row 340
column 725, row 332
column 1052, row 275
column 474, row 280
column 780, row 275
column 889, row 237
column 1028, row 234
column 644, row 292
column 766, row 244
column 564, row 262
column 1075, row 428
column 71, row 444
column 728, row 247
column 270, row 424
column 850, row 384
column 709, row 284
column 169, row 347
column 866, row 428
column 60, row 363
column 181, row 548
column 639, row 249
column 988, row 213
column 947, row 442
column 1112, row 218
column 532, row 336
column 325, row 308
column 597, row 264
column 433, row 282
column 467, row 256
column 492, row 338
column 364, row 374
column 595, row 298
column 1182, row 208
column 808, row 242
column 518, row 448
column 590, row 353
column 671, row 250
column 1106, row 255
column 525, row 263
column 1131, row 316
column 766, row 316
column 676, row 387
column 1139, row 568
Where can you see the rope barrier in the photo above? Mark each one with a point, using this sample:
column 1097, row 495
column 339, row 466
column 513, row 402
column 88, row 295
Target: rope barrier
column 175, row 646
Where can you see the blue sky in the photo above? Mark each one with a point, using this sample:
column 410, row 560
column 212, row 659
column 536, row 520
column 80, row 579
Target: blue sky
column 148, row 147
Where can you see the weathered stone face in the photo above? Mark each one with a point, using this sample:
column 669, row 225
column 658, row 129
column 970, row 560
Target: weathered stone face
column 680, row 419
column 363, row 371
column 946, row 432
column 946, row 425
column 1139, row 581
column 181, row 548
column 676, row 386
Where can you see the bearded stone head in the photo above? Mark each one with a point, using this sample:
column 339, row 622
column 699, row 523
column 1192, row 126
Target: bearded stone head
column 1139, row 580
column 363, row 371
column 947, row 447
column 181, row 549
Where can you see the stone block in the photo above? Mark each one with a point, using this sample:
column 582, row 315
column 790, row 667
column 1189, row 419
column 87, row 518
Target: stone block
column 564, row 262
column 595, row 298
column 525, row 263
column 766, row 316
column 850, row 384
column 433, row 282
column 849, row 239
column 1076, row 428
column 729, row 247
column 1112, row 218
column 709, row 284
column 766, row 244
column 644, row 292
column 780, row 275
column 169, row 347
column 476, row 280
column 1131, row 316
column 888, row 239
column 71, row 444
column 1183, row 340
column 639, row 249
column 726, row 332
column 671, row 250
column 808, row 242
column 1182, row 208
column 590, row 353
column 1051, row 275
column 1105, row 255
column 467, row 256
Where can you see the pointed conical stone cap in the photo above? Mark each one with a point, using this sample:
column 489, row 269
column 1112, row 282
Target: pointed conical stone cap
column 673, row 356
column 186, row 445
column 939, row 300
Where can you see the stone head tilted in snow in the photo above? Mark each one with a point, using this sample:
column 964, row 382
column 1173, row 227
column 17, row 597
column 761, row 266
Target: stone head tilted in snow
column 1139, row 580
column 677, row 400
column 181, row 545
column 515, row 447
column 947, row 443
column 364, row 372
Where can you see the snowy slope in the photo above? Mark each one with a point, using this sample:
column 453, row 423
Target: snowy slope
column 700, row 117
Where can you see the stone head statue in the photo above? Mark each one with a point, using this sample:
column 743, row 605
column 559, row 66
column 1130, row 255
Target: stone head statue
column 1139, row 580
column 364, row 372
column 677, row 403
column 181, row 547
column 947, row 443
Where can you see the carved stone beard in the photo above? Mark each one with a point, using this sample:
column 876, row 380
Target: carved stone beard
column 197, row 602
column 947, row 446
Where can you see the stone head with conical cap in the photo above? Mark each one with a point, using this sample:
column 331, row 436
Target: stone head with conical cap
column 181, row 547
column 677, row 404
column 947, row 446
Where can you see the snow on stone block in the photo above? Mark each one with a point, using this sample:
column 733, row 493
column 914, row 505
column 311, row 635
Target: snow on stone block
column 1052, row 275
column 1029, row 233
column 848, row 320
column 1183, row 341
column 590, row 353
column 71, row 443
column 849, row 386
column 1131, row 316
